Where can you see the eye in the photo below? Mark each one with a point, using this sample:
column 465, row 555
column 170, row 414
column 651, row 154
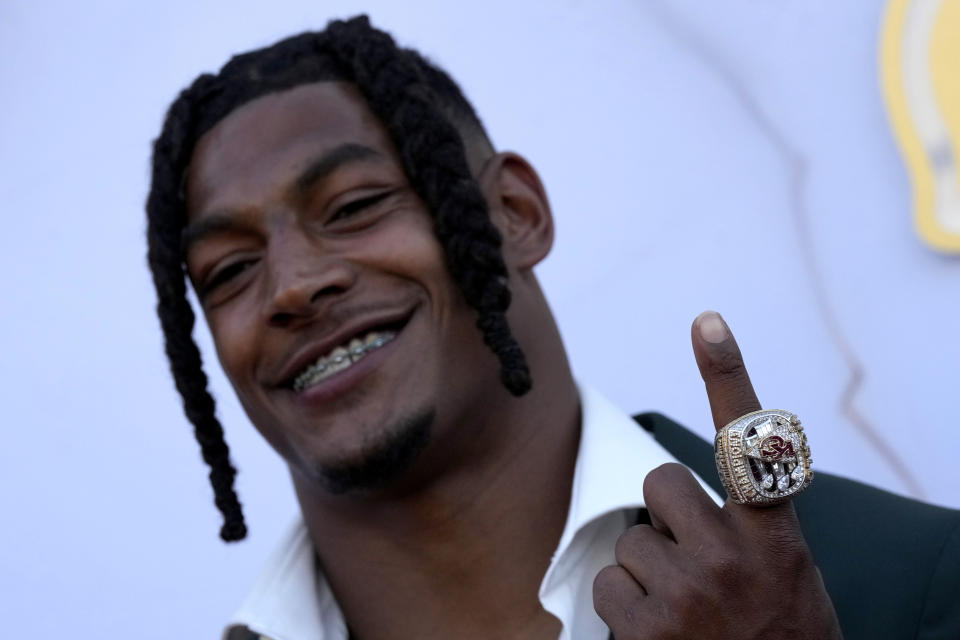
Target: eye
column 356, row 206
column 224, row 275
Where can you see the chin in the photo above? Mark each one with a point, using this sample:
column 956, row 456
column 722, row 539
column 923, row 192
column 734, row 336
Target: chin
column 381, row 460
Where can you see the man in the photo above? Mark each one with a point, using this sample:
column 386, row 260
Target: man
column 364, row 259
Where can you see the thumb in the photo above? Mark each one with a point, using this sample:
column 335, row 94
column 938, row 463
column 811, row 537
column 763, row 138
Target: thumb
column 728, row 385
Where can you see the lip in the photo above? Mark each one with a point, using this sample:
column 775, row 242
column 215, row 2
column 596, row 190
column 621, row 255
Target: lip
column 309, row 354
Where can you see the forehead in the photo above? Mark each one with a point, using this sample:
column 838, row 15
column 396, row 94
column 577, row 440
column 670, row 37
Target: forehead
column 264, row 143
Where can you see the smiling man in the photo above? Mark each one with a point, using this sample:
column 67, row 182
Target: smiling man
column 364, row 259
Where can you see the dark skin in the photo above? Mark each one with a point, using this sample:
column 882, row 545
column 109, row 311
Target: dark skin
column 702, row 571
column 303, row 233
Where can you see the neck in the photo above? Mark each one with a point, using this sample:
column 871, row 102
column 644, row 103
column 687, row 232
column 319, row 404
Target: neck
column 463, row 554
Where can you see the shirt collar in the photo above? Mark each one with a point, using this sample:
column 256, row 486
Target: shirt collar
column 614, row 457
column 291, row 599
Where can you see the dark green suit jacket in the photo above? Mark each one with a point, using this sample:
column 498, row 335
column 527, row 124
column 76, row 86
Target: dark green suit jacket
column 891, row 564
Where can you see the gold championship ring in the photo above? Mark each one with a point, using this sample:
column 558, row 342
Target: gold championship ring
column 763, row 458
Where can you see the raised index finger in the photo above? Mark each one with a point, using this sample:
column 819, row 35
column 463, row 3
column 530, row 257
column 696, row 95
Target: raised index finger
column 721, row 366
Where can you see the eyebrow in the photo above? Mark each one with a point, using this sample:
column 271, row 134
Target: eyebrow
column 325, row 164
column 317, row 170
column 211, row 224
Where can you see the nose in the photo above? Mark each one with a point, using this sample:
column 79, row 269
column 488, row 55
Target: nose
column 303, row 281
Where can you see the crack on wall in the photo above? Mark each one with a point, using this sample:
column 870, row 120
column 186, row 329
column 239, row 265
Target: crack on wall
column 797, row 166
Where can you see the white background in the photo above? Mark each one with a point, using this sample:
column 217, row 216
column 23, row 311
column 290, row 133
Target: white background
column 731, row 155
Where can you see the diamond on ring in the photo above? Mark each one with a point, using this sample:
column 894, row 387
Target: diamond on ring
column 763, row 457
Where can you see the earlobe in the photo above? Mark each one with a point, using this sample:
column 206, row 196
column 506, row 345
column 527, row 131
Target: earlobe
column 519, row 208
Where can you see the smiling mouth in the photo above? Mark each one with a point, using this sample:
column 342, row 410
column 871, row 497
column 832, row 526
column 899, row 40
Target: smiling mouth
column 342, row 357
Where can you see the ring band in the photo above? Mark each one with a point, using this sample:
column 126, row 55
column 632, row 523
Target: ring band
column 763, row 458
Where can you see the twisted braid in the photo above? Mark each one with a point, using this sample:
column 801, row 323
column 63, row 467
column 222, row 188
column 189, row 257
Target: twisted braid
column 424, row 112
column 434, row 157
column 166, row 216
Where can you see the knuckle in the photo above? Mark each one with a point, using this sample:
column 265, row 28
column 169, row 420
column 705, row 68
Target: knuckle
column 727, row 364
column 617, row 605
column 670, row 486
column 791, row 558
column 632, row 622
column 664, row 476
column 665, row 618
column 623, row 549
column 606, row 601
column 724, row 568
column 784, row 546
column 604, row 584
column 678, row 594
column 631, row 544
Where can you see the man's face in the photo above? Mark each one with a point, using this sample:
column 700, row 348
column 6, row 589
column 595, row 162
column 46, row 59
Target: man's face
column 323, row 284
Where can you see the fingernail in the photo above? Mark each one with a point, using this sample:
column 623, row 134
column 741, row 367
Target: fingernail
column 712, row 327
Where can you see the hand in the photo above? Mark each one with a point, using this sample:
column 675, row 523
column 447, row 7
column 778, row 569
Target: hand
column 701, row 571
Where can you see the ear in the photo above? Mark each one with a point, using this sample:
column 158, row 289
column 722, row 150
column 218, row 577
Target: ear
column 519, row 208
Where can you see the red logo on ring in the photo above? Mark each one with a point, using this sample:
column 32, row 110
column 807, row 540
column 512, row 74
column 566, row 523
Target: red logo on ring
column 775, row 448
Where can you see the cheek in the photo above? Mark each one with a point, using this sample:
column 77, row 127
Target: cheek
column 235, row 337
column 409, row 249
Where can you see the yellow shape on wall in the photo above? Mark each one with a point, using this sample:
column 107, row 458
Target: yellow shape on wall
column 920, row 67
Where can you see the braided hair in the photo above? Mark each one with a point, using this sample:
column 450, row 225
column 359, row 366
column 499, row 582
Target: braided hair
column 426, row 116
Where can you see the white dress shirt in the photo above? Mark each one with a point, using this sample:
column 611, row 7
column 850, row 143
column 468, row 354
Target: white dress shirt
column 291, row 599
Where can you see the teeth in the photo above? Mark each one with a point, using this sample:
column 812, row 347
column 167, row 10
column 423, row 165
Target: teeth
column 339, row 355
column 356, row 348
column 341, row 358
